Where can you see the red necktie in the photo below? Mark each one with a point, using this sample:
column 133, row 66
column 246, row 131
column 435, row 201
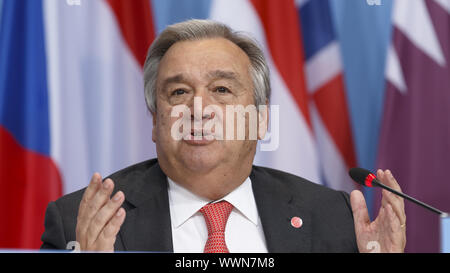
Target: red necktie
column 216, row 216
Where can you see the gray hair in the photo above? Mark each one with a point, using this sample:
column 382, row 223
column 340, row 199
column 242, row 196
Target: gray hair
column 202, row 29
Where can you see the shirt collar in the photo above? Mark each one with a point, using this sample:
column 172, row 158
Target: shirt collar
column 184, row 204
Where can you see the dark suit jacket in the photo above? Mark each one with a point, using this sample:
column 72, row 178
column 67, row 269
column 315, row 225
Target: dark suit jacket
column 326, row 213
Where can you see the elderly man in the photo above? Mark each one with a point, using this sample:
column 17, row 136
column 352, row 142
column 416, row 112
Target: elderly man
column 202, row 193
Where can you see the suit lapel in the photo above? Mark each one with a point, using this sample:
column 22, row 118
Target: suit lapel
column 276, row 207
column 147, row 225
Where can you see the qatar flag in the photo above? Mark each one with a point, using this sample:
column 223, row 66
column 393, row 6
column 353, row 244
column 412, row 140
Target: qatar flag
column 415, row 130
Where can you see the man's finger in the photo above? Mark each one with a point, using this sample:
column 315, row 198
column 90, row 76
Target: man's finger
column 397, row 233
column 94, row 203
column 359, row 208
column 82, row 221
column 390, row 181
column 108, row 235
column 383, row 177
column 104, row 215
column 91, row 190
column 397, row 202
column 100, row 198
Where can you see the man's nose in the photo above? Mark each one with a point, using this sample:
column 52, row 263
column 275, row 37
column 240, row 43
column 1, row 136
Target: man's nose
column 198, row 105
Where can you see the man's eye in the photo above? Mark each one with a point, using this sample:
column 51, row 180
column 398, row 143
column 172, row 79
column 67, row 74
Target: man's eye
column 222, row 90
column 178, row 92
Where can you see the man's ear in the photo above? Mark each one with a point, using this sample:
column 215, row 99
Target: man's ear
column 154, row 116
column 263, row 120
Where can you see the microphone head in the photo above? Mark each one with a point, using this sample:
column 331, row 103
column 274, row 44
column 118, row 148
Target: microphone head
column 362, row 176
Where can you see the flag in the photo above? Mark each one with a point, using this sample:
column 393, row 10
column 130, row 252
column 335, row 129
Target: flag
column 298, row 39
column 266, row 21
column 29, row 177
column 327, row 96
column 71, row 102
column 415, row 129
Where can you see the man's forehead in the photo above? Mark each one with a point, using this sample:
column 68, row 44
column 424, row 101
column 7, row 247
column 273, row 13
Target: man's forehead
column 204, row 58
column 209, row 75
column 208, row 49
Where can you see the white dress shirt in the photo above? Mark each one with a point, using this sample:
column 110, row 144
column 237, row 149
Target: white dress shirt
column 243, row 232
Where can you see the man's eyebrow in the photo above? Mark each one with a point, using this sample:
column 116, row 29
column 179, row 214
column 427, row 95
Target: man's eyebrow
column 213, row 75
column 222, row 74
column 173, row 79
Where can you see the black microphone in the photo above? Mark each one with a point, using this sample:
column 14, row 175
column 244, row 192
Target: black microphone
column 368, row 179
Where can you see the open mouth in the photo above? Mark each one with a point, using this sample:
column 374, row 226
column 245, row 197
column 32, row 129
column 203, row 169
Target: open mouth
column 197, row 133
column 200, row 133
column 199, row 137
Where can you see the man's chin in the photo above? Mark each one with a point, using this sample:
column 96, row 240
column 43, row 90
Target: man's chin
column 200, row 160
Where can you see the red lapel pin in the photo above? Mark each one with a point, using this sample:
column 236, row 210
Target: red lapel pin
column 296, row 222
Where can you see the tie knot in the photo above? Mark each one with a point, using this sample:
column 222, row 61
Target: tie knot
column 216, row 216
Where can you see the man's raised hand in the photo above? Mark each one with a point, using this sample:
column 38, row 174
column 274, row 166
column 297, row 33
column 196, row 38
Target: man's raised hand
column 388, row 230
column 99, row 216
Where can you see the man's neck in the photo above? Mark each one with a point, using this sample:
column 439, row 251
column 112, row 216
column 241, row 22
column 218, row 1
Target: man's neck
column 213, row 184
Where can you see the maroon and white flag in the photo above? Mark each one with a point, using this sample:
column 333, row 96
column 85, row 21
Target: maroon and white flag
column 415, row 129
